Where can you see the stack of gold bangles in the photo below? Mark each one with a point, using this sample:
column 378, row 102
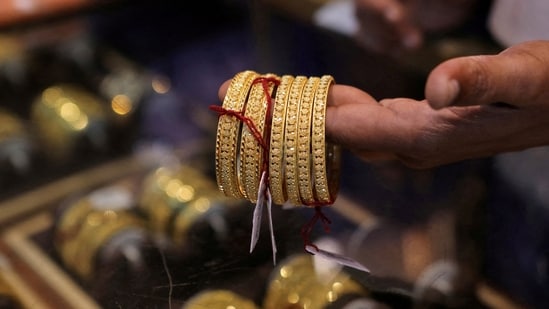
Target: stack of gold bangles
column 288, row 114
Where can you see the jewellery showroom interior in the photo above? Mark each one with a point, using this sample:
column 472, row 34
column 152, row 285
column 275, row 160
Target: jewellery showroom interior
column 108, row 151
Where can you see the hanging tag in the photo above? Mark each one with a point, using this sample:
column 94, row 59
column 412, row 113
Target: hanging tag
column 271, row 229
column 338, row 258
column 258, row 211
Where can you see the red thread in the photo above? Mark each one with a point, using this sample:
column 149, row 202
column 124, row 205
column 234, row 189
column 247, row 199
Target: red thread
column 247, row 121
column 268, row 117
column 263, row 142
column 307, row 228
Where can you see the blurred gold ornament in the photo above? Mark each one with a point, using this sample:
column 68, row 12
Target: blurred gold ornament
column 65, row 114
column 89, row 223
column 219, row 299
column 175, row 198
column 295, row 284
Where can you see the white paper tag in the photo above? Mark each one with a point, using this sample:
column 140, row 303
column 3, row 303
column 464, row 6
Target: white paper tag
column 271, row 228
column 338, row 258
column 256, row 224
column 258, row 212
column 263, row 193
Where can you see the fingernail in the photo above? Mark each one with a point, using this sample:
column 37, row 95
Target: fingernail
column 453, row 92
column 446, row 94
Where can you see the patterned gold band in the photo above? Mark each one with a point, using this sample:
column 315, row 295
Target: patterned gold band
column 290, row 140
column 227, row 138
column 276, row 151
column 251, row 151
column 325, row 157
column 304, row 142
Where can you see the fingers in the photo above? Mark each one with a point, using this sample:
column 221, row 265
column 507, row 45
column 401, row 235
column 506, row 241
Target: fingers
column 518, row 76
column 355, row 120
column 386, row 25
column 223, row 90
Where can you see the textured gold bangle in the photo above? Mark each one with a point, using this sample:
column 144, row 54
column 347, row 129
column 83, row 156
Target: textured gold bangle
column 326, row 157
column 251, row 151
column 276, row 151
column 304, row 141
column 166, row 190
column 228, row 130
column 290, row 140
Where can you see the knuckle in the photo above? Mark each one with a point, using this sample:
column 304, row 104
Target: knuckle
column 480, row 83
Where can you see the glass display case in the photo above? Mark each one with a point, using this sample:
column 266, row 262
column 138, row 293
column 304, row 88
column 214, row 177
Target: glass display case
column 108, row 196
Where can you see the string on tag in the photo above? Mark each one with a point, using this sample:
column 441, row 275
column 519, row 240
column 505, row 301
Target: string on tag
column 307, row 228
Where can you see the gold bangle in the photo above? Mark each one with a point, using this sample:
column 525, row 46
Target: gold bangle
column 166, row 190
column 190, row 214
column 65, row 113
column 290, row 140
column 326, row 157
column 276, row 145
column 228, row 130
column 99, row 228
column 251, row 151
column 304, row 141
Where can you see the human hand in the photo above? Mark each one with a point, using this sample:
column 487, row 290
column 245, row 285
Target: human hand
column 395, row 25
column 458, row 120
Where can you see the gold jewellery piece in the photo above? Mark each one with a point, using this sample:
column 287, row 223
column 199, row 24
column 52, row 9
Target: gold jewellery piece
column 290, row 139
column 65, row 114
column 286, row 117
column 326, row 157
column 83, row 229
column 227, row 138
column 251, row 151
column 304, row 141
column 98, row 229
column 276, row 150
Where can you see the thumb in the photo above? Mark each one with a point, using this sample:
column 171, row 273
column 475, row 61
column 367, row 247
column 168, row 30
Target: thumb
column 517, row 76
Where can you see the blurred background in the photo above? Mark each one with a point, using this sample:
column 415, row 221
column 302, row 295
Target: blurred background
column 107, row 187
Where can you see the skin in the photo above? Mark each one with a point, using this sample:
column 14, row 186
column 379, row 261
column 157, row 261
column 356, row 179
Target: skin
column 459, row 119
column 393, row 26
